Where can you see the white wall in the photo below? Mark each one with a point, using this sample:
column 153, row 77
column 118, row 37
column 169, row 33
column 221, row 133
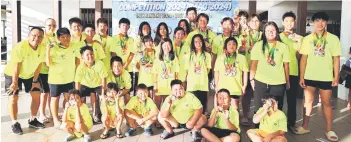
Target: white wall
column 276, row 12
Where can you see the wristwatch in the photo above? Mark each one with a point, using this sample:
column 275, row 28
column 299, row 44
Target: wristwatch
column 35, row 81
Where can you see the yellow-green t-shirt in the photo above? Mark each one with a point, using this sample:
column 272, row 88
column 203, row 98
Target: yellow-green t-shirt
column 123, row 81
column 233, row 118
column 62, row 68
column 250, row 40
column 123, row 48
column 230, row 72
column 266, row 73
column 275, row 122
column 84, row 112
column 183, row 109
column 105, row 44
column 30, row 59
column 165, row 71
column 218, row 45
column 293, row 47
column 197, row 66
column 145, row 75
column 209, row 35
column 139, row 48
column 48, row 38
column 99, row 53
column 320, row 68
column 182, row 54
column 78, row 40
column 110, row 108
column 142, row 109
column 91, row 77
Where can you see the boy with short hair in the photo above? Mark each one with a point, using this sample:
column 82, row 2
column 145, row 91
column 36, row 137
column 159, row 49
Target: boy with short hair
column 141, row 110
column 104, row 39
column 191, row 15
column 75, row 25
column 76, row 119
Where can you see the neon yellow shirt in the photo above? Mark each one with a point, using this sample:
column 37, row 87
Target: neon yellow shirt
column 233, row 118
column 91, row 77
column 293, row 47
column 123, row 81
column 48, row 38
column 209, row 35
column 123, row 48
column 99, row 53
column 105, row 44
column 266, row 73
column 30, row 59
column 110, row 109
column 231, row 72
column 320, row 68
column 63, row 66
column 197, row 66
column 78, row 40
column 183, row 109
column 142, row 109
column 275, row 122
column 251, row 40
column 84, row 112
column 218, row 45
column 145, row 75
column 181, row 52
column 165, row 71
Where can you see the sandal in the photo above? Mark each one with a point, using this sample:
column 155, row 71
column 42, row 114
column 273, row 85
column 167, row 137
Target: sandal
column 129, row 133
column 104, row 136
column 96, row 119
column 300, row 131
column 331, row 136
column 195, row 135
column 119, row 135
column 165, row 135
column 244, row 121
column 148, row 131
column 69, row 138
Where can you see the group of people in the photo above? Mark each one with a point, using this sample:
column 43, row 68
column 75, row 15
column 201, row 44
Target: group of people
column 165, row 81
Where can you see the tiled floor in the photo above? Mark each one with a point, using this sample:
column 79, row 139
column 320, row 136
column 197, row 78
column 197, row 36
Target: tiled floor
column 342, row 126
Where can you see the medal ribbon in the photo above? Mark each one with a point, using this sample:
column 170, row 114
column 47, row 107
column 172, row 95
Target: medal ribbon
column 321, row 40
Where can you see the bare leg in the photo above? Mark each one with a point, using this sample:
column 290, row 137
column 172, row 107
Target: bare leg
column 43, row 101
column 327, row 107
column 132, row 122
column 209, row 136
column 254, row 136
column 106, row 121
column 308, row 102
column 92, row 102
column 168, row 123
column 54, row 109
column 34, row 107
column 118, row 122
column 199, row 124
column 68, row 127
column 233, row 137
column 13, row 106
column 279, row 139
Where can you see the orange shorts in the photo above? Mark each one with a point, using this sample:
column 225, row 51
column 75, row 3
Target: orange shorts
column 263, row 134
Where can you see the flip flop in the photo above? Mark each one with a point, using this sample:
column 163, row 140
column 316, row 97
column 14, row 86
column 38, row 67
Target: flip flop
column 331, row 136
column 166, row 135
column 104, row 136
column 300, row 131
column 195, row 135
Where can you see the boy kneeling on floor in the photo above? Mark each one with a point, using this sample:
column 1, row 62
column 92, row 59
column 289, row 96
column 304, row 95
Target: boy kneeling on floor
column 223, row 124
column 273, row 123
column 76, row 119
column 112, row 111
column 141, row 110
column 181, row 109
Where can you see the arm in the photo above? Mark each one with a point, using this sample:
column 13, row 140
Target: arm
column 36, row 72
column 230, row 125
column 165, row 112
column 77, row 62
column 214, row 57
column 79, row 118
column 245, row 78
column 118, row 109
column 216, row 78
column 212, row 120
column 336, row 67
column 196, row 116
column 64, row 116
column 257, row 117
column 303, row 63
column 287, row 74
column 77, row 85
column 152, row 114
column 130, row 58
column 103, row 85
column 253, row 72
column 48, row 60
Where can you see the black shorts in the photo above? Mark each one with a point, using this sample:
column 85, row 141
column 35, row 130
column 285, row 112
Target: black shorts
column 86, row 91
column 151, row 88
column 348, row 81
column 27, row 84
column 324, row 85
column 220, row 133
column 235, row 97
column 210, row 75
column 43, row 79
column 57, row 89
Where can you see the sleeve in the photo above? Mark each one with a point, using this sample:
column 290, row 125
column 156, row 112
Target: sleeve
column 208, row 61
column 259, row 111
column 151, row 104
column 189, row 38
column 336, row 49
column 130, row 105
column 212, row 36
column 283, row 123
column 235, row 119
column 244, row 64
column 304, row 49
column 217, row 66
column 127, row 80
column 16, row 54
column 286, row 54
column 176, row 65
column 196, row 102
column 256, row 51
column 79, row 74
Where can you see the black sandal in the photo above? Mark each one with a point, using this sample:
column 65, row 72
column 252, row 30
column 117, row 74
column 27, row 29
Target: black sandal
column 165, row 135
column 104, row 136
column 195, row 135
column 118, row 135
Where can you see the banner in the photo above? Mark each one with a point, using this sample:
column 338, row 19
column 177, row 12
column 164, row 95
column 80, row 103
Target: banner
column 168, row 11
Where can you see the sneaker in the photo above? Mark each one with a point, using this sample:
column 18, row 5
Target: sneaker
column 35, row 124
column 16, row 128
column 130, row 132
column 87, row 138
column 69, row 138
column 148, row 131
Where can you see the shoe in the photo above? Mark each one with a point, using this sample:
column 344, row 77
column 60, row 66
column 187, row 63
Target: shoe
column 16, row 128
column 130, row 132
column 69, row 138
column 87, row 138
column 35, row 124
column 148, row 131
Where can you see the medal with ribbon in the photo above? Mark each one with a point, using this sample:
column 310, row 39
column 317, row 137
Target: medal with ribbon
column 197, row 62
column 270, row 51
column 166, row 68
column 229, row 65
column 242, row 49
column 123, row 43
column 319, row 44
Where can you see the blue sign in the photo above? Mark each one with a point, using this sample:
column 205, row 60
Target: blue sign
column 168, row 11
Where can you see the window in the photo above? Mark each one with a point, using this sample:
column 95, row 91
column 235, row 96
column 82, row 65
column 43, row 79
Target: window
column 88, row 17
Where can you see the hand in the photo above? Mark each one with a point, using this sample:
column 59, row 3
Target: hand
column 243, row 88
column 267, row 138
column 12, row 89
column 140, row 121
column 335, row 82
column 287, row 85
column 252, row 84
column 226, row 114
column 216, row 88
column 302, row 83
column 125, row 66
column 138, row 66
column 35, row 85
column 266, row 107
column 155, row 88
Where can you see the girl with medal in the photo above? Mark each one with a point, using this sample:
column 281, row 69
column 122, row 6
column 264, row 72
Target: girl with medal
column 186, row 26
column 197, row 67
column 181, row 51
column 162, row 32
column 165, row 69
column 144, row 30
column 231, row 72
column 319, row 68
column 269, row 72
column 49, row 38
column 244, row 32
column 146, row 61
